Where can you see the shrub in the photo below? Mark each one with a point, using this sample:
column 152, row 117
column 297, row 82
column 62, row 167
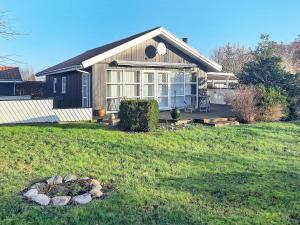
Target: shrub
column 273, row 103
column 244, row 102
column 138, row 115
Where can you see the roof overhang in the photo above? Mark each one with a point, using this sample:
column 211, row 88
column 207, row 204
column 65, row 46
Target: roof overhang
column 66, row 69
column 221, row 74
column 152, row 64
column 166, row 35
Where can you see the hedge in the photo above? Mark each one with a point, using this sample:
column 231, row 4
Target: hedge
column 138, row 115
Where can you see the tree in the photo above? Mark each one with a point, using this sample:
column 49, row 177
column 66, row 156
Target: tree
column 6, row 32
column 266, row 68
column 28, row 74
column 232, row 57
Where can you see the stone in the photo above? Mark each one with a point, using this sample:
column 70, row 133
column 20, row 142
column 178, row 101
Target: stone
column 60, row 200
column 84, row 178
column 38, row 186
column 94, row 182
column 96, row 193
column 41, row 199
column 70, row 177
column 82, row 199
column 55, row 180
column 30, row 193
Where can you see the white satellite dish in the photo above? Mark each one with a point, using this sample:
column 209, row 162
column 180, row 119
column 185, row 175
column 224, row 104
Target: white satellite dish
column 161, row 48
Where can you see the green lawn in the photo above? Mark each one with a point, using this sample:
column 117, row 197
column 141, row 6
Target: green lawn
column 248, row 174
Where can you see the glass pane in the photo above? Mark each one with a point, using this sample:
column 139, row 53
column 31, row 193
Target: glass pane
column 177, row 77
column 190, row 89
column 113, row 104
column 178, row 103
column 84, row 91
column 162, row 89
column 148, row 90
column 179, row 88
column 131, row 77
column 113, row 90
column 191, row 100
column 114, row 76
column 163, row 102
column 190, row 77
column 162, row 78
column 131, row 90
column 148, row 77
column 85, row 102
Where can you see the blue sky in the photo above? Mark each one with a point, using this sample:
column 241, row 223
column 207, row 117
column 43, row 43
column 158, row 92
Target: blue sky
column 55, row 30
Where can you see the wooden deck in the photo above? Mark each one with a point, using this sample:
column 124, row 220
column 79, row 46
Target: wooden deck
column 217, row 111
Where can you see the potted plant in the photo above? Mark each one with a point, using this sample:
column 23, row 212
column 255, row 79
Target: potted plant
column 175, row 112
column 102, row 111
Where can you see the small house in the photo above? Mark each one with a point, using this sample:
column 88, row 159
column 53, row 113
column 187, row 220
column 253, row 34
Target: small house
column 9, row 77
column 154, row 64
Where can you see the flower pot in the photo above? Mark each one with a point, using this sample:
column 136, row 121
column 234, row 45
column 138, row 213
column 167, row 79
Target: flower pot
column 102, row 112
column 175, row 113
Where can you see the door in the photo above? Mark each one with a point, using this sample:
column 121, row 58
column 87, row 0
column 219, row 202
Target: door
column 155, row 85
column 85, row 90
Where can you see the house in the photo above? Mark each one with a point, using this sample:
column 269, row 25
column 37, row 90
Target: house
column 153, row 64
column 221, row 80
column 9, row 77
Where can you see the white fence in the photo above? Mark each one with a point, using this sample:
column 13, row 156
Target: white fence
column 22, row 97
column 217, row 96
column 39, row 111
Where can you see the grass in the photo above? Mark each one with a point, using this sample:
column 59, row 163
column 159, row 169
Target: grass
column 248, row 174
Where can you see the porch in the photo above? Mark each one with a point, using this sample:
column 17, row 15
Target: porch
column 219, row 115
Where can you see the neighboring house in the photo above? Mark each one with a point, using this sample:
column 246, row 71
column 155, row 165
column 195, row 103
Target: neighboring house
column 9, row 77
column 221, row 80
column 150, row 65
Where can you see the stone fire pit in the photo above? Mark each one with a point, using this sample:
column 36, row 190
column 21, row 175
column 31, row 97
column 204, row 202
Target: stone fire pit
column 58, row 191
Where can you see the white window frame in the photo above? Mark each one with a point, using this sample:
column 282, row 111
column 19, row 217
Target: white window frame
column 54, row 84
column 64, row 85
column 88, row 97
column 156, row 85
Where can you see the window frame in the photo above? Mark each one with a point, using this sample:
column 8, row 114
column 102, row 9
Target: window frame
column 64, row 85
column 54, row 85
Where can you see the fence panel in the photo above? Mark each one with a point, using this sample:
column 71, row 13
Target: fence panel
column 39, row 111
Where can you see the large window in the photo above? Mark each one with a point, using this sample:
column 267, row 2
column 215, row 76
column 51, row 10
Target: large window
column 169, row 88
column 121, row 84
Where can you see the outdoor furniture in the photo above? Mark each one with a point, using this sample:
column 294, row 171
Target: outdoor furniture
column 204, row 103
column 189, row 108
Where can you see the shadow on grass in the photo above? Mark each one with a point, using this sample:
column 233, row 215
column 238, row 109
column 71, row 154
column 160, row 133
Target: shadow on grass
column 275, row 190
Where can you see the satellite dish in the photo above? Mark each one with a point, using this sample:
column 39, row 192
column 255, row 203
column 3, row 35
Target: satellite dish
column 161, row 48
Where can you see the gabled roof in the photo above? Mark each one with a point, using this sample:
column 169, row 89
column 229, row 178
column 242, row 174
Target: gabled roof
column 10, row 74
column 96, row 55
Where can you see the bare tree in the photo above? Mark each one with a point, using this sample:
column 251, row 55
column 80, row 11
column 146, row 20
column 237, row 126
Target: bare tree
column 6, row 32
column 28, row 74
column 232, row 57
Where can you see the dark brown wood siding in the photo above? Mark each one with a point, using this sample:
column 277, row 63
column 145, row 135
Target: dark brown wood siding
column 73, row 96
column 137, row 53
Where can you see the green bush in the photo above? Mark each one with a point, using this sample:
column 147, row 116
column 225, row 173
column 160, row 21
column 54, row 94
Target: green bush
column 138, row 115
column 274, row 103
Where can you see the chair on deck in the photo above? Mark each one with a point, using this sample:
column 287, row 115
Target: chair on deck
column 204, row 104
column 189, row 108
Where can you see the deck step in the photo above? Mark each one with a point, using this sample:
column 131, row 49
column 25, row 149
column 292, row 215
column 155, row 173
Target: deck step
column 222, row 123
column 219, row 119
